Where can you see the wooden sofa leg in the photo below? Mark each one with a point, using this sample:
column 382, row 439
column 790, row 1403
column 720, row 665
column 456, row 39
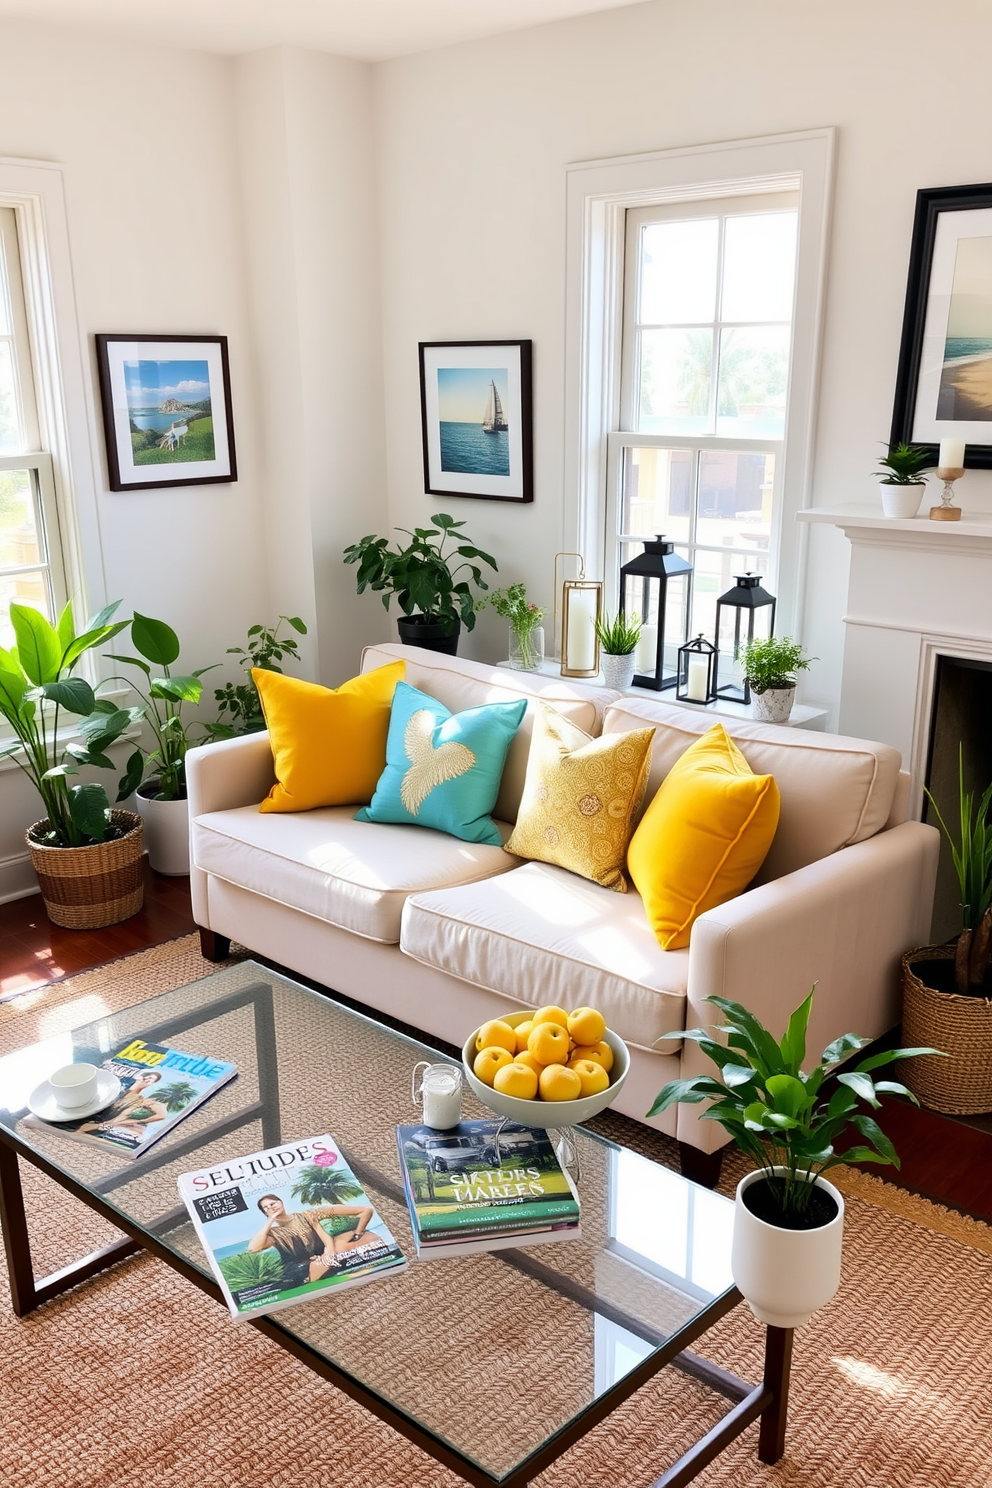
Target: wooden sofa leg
column 699, row 1167
column 214, row 947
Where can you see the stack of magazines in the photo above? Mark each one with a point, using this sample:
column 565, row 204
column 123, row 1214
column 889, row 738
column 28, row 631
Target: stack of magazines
column 468, row 1190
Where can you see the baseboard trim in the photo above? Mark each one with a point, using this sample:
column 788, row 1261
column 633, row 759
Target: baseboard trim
column 17, row 878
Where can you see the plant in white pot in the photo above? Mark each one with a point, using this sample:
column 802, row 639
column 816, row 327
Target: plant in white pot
column 770, row 666
column 618, row 640
column 901, row 484
column 526, row 631
column 789, row 1220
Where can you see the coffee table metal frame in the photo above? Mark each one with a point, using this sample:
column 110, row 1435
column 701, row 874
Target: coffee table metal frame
column 767, row 1402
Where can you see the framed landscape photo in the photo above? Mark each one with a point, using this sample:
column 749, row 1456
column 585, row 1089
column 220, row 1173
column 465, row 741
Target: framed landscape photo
column 944, row 381
column 166, row 410
column 475, row 403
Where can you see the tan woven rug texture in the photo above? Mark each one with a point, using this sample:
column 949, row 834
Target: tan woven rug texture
column 138, row 1377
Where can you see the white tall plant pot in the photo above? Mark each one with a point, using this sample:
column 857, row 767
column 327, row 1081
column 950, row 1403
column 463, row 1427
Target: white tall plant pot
column 785, row 1275
column 901, row 501
column 773, row 705
column 166, row 831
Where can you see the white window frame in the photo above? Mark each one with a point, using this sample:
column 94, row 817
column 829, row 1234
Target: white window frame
column 598, row 194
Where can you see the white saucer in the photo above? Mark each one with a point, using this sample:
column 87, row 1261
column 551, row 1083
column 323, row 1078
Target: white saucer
column 42, row 1102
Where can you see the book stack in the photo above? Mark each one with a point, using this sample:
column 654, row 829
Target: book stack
column 467, row 1193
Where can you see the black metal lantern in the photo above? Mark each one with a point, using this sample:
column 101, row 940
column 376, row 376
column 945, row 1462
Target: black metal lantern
column 659, row 568
column 697, row 672
column 753, row 611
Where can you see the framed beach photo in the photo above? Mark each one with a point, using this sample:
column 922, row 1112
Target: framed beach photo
column 944, row 381
column 166, row 410
column 475, row 403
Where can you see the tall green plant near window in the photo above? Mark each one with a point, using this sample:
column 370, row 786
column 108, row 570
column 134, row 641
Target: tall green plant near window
column 972, row 856
column 163, row 700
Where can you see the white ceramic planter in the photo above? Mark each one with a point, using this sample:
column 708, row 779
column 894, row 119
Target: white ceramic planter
column 773, row 705
column 618, row 671
column 901, row 501
column 785, row 1275
column 166, row 831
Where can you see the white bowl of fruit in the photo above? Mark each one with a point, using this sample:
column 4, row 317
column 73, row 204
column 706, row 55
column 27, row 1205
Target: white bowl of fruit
column 546, row 1068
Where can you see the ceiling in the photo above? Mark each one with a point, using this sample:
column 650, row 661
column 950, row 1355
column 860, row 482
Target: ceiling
column 373, row 30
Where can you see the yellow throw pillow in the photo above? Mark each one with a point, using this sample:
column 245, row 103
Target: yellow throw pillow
column 703, row 837
column 328, row 744
column 580, row 798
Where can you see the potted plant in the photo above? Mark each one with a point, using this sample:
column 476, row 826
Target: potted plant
column 901, row 485
column 240, row 700
column 947, row 990
column 161, row 800
column 618, row 640
column 86, row 854
column 434, row 601
column 770, row 667
column 526, row 632
column 788, row 1219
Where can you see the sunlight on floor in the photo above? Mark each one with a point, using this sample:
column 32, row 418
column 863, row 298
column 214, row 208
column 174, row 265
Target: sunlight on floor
column 71, row 1015
column 889, row 1386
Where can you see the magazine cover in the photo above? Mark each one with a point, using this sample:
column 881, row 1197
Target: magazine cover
column 457, row 1185
column 287, row 1224
column 159, row 1086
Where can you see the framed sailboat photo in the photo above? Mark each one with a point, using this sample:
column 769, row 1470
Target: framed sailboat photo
column 475, row 403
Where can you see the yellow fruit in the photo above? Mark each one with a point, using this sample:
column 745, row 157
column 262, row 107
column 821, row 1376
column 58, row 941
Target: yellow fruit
column 558, row 1083
column 496, row 1035
column 551, row 1014
column 593, row 1077
column 528, row 1059
column 586, row 1026
column 600, row 1053
column 548, row 1043
column 517, row 1079
column 488, row 1061
column 522, row 1031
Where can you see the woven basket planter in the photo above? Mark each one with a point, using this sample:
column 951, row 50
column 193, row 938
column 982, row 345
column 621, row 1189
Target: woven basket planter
column 960, row 1085
column 86, row 887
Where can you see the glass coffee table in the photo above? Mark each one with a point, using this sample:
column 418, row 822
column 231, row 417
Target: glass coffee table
column 440, row 1349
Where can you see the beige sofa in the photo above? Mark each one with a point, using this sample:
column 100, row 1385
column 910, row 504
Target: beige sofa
column 444, row 934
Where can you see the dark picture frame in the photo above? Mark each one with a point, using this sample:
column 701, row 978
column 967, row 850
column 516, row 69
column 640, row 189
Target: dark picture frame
column 944, row 379
column 167, row 414
column 476, row 419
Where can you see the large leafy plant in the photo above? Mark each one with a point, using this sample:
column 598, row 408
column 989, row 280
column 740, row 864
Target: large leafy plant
column 239, row 700
column 780, row 1116
column 420, row 575
column 972, row 855
column 37, row 692
column 163, row 697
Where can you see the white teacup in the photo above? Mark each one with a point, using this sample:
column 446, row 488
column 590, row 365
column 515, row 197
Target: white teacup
column 74, row 1084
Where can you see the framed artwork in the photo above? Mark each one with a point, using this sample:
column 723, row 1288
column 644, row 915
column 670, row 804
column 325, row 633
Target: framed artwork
column 166, row 410
column 475, row 403
column 944, row 381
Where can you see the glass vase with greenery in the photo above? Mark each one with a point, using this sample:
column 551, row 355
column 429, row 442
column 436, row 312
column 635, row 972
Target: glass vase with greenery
column 971, row 853
column 772, row 664
column 524, row 619
column 163, row 697
column 239, row 700
column 421, row 575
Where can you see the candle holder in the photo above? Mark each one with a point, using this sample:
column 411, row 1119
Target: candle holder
column 696, row 672
column 947, row 511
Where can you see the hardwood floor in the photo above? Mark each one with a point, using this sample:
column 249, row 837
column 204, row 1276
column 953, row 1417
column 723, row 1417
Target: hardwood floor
column 943, row 1158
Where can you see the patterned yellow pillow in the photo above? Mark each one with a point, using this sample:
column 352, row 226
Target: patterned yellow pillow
column 580, row 798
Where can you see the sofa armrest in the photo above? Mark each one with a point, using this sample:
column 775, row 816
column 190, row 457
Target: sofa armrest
column 842, row 922
column 232, row 772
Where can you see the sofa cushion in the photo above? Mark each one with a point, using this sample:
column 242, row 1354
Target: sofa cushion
column 355, row 875
column 460, row 684
column 541, row 935
column 834, row 790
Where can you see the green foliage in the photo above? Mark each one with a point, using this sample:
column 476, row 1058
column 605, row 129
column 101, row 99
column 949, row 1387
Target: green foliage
column 251, row 1269
column 318, row 1185
column 513, row 605
column 904, row 465
column 773, row 662
column 972, row 855
column 777, row 1114
column 240, row 700
column 619, row 636
column 197, row 445
column 420, row 575
column 174, row 1097
column 36, row 689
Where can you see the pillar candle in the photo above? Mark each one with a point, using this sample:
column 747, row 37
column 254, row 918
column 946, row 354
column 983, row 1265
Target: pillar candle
column 580, row 636
column 698, row 677
column 647, row 647
column 951, row 456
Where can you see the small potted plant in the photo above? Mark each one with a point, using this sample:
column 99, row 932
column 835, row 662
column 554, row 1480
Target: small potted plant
column 434, row 601
column 526, row 631
column 86, row 854
column 239, row 700
column 618, row 640
column 788, row 1219
column 901, row 484
column 770, row 667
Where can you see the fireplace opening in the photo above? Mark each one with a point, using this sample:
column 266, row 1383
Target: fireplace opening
column 961, row 715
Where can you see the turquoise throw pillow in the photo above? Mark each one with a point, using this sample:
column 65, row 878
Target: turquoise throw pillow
column 443, row 769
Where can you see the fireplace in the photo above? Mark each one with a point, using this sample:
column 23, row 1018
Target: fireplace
column 960, row 717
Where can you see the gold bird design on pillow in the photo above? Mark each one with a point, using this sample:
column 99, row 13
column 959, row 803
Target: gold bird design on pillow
column 429, row 766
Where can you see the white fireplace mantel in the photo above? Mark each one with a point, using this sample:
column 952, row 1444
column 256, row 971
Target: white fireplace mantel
column 865, row 524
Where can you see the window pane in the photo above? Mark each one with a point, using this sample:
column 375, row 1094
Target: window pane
column 753, row 378
column 29, row 589
column 676, row 381
column 759, row 266
column 10, row 425
column 20, row 540
column 657, row 493
column 735, row 499
column 678, row 272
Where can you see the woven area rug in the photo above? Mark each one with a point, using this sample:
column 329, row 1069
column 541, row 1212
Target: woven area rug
column 137, row 1375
